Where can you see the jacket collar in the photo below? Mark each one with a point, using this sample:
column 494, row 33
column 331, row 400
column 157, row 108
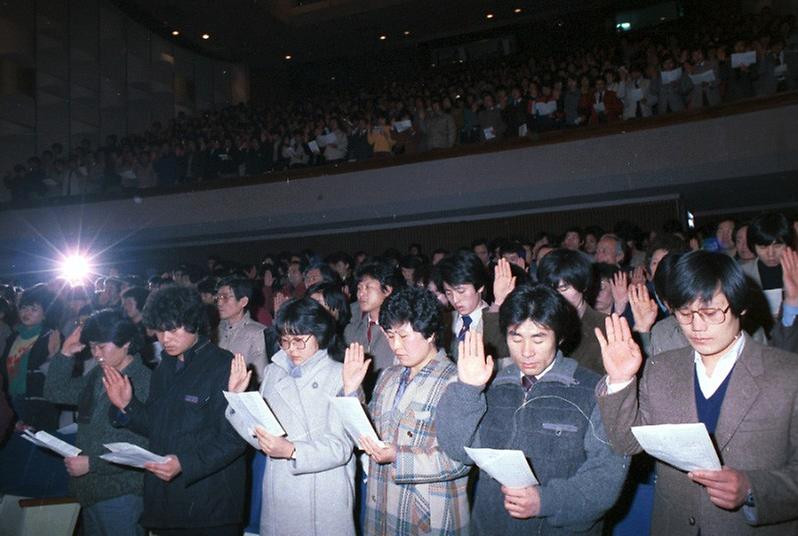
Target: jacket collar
column 562, row 372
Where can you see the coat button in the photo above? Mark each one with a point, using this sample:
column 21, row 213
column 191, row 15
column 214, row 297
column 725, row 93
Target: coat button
column 315, row 385
column 691, row 521
column 409, row 433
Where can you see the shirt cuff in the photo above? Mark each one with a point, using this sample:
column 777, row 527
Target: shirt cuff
column 613, row 388
column 788, row 314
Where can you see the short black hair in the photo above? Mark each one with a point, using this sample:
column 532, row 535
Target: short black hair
column 463, row 267
column 662, row 275
column 381, row 270
column 572, row 267
column 669, row 242
column 241, row 287
column 173, row 307
column 335, row 299
column 110, row 325
column 207, row 285
column 328, row 275
column 542, row 305
column 773, row 228
column 416, row 306
column 306, row 316
column 114, row 282
column 139, row 295
column 40, row 295
column 698, row 275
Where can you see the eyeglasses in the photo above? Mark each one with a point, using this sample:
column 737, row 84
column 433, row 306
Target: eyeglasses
column 298, row 342
column 223, row 297
column 710, row 315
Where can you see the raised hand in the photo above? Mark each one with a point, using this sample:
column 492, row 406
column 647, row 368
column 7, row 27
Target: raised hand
column 619, row 285
column 72, row 344
column 118, row 387
column 789, row 269
column 53, row 343
column 473, row 368
column 355, row 367
column 644, row 309
column 503, row 281
column 621, row 356
column 239, row 375
column 638, row 275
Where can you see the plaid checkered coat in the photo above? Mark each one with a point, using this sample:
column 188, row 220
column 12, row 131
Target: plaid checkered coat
column 423, row 491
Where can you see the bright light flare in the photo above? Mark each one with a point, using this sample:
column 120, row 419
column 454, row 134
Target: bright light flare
column 75, row 268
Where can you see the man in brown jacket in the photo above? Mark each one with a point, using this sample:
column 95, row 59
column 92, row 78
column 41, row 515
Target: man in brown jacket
column 745, row 393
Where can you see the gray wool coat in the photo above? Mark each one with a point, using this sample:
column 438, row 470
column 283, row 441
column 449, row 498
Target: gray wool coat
column 313, row 494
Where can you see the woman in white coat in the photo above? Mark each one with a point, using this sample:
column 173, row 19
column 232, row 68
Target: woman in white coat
column 308, row 487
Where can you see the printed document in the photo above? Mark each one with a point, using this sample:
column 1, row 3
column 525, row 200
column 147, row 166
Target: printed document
column 684, row 446
column 45, row 440
column 132, row 455
column 355, row 421
column 509, row 467
column 248, row 410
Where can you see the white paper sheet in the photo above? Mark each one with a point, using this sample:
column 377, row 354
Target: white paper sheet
column 45, row 440
column 355, row 421
column 523, row 130
column 703, row 78
column 401, row 126
column 684, row 446
column 314, row 147
column 248, row 410
column 740, row 59
column 671, row 76
column 489, row 133
column 509, row 467
column 636, row 94
column 546, row 108
column 598, row 107
column 780, row 70
column 132, row 455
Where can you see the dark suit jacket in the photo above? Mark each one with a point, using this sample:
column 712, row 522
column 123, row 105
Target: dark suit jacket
column 757, row 432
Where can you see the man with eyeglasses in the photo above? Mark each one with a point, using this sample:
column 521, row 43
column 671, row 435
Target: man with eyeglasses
column 238, row 332
column 746, row 394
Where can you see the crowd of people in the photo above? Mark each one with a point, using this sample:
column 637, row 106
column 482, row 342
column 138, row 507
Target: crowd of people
column 567, row 78
column 555, row 347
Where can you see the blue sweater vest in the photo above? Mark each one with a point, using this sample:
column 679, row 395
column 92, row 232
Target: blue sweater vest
column 709, row 408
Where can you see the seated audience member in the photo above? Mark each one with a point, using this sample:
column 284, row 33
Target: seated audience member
column 28, row 352
column 238, row 332
column 550, row 398
column 110, row 495
column 463, row 280
column 308, row 486
column 410, row 464
column 743, row 392
column 770, row 235
column 376, row 281
column 184, row 421
column 570, row 273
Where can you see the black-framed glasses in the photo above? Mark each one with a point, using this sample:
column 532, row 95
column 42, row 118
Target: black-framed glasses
column 298, row 342
column 710, row 315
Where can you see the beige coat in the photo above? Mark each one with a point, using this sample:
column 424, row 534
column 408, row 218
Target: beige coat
column 757, row 432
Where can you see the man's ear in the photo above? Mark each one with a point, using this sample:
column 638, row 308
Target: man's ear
column 388, row 290
column 481, row 289
column 245, row 299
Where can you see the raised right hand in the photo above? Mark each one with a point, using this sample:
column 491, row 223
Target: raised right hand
column 118, row 387
column 72, row 344
column 239, row 375
column 789, row 270
column 355, row 367
column 473, row 368
column 620, row 353
column 503, row 281
column 644, row 309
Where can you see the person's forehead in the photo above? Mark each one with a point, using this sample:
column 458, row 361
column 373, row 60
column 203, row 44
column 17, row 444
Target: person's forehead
column 530, row 328
column 718, row 299
column 402, row 329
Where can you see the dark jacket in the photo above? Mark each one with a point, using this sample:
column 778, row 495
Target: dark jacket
column 104, row 480
column 184, row 416
column 557, row 426
column 32, row 409
column 6, row 415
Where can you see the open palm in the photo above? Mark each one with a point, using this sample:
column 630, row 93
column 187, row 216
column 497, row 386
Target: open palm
column 621, row 354
column 473, row 368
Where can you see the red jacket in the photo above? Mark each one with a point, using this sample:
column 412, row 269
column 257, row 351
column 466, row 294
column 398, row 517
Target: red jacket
column 613, row 107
